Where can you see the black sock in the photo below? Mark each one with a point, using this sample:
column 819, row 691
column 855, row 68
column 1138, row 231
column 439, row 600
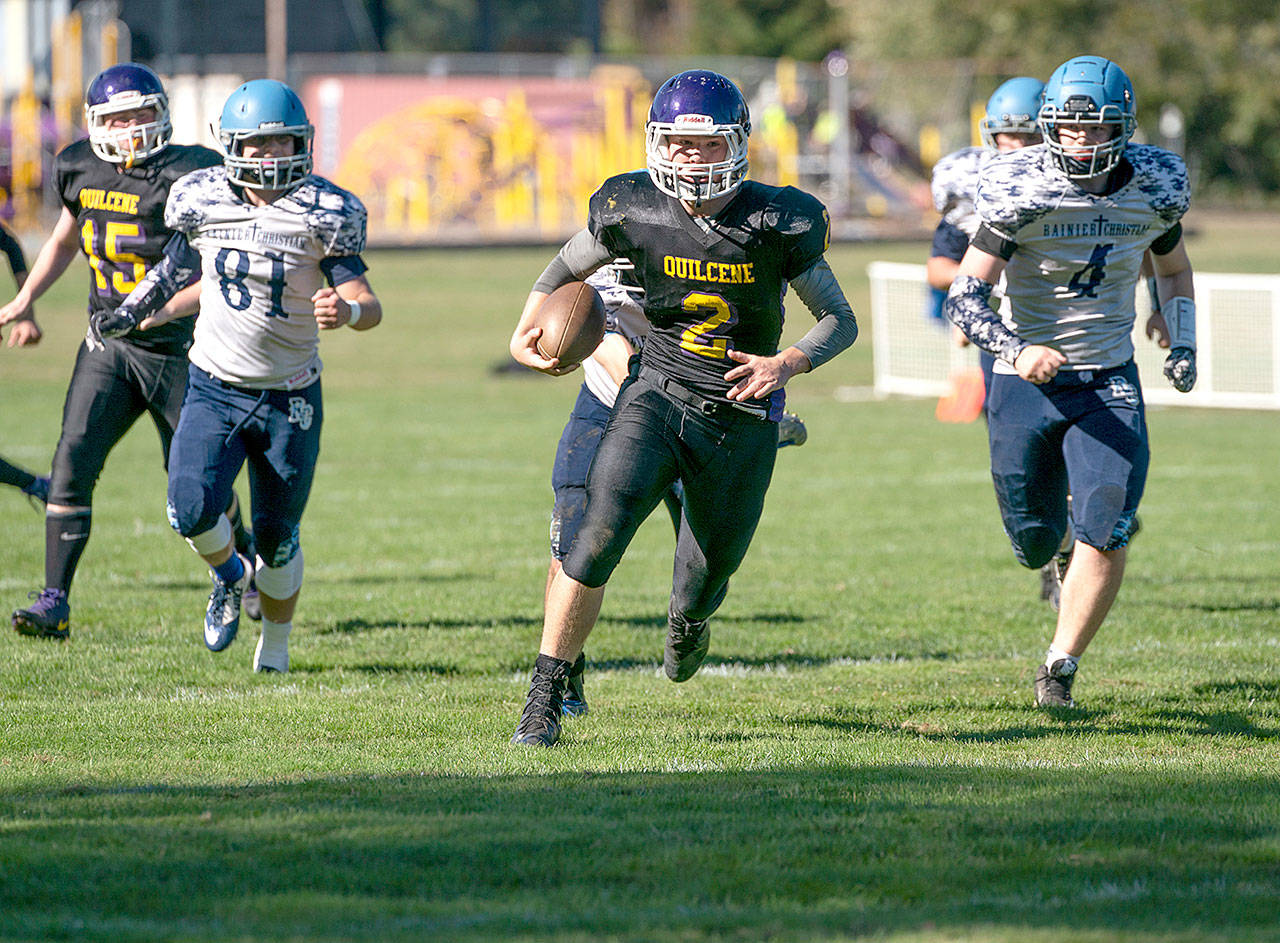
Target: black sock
column 555, row 667
column 13, row 475
column 65, row 537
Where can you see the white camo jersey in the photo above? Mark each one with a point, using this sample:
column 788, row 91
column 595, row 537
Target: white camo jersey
column 625, row 316
column 1071, row 279
column 954, row 181
column 261, row 265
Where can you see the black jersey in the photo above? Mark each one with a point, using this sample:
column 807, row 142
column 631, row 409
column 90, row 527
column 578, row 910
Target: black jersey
column 120, row 223
column 707, row 292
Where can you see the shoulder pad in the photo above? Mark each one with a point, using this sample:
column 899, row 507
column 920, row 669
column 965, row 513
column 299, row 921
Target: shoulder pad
column 1162, row 177
column 335, row 215
column 955, row 176
column 191, row 195
column 1017, row 188
column 179, row 159
column 799, row 210
column 619, row 195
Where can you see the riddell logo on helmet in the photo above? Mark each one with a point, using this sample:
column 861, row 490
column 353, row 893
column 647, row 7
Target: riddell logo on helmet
column 693, row 122
column 127, row 97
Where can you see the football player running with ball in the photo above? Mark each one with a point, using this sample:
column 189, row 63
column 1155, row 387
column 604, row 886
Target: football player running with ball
column 113, row 189
column 603, row 374
column 714, row 254
column 1067, row 223
column 280, row 249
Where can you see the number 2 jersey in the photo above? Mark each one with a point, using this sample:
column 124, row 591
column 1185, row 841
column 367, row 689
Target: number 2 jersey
column 260, row 266
column 709, row 291
column 121, row 226
column 1073, row 257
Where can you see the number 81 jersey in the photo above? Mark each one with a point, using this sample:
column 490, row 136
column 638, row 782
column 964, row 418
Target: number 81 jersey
column 260, row 266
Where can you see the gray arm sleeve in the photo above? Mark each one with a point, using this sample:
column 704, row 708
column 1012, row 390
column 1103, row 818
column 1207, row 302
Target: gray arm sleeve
column 837, row 327
column 577, row 259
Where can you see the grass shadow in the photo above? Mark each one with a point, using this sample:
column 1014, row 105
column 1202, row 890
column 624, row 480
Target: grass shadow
column 811, row 852
column 360, row 626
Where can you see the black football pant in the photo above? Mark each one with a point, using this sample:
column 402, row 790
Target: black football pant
column 109, row 390
column 725, row 462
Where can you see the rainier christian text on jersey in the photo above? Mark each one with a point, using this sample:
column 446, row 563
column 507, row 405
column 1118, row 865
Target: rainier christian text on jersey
column 1100, row 227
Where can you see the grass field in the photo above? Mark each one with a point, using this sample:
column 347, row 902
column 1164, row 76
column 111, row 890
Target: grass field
column 859, row 758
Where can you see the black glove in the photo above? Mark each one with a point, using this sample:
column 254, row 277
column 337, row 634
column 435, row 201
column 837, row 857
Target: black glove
column 110, row 324
column 1180, row 368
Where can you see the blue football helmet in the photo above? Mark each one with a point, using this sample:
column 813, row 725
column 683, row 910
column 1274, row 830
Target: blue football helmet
column 265, row 108
column 1084, row 91
column 697, row 102
column 1013, row 108
column 126, row 87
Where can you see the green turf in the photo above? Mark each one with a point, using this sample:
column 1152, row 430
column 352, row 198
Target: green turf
column 858, row 759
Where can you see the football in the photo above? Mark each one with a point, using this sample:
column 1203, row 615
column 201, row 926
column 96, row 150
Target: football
column 572, row 322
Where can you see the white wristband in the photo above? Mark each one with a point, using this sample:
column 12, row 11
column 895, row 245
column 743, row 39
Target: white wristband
column 1180, row 315
column 355, row 313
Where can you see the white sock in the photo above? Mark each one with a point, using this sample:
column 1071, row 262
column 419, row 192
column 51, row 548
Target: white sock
column 1052, row 656
column 272, row 653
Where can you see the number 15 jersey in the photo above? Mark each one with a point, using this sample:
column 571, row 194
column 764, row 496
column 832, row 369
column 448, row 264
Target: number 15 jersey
column 260, row 267
column 120, row 225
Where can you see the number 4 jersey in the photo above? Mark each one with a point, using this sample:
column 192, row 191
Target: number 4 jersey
column 120, row 224
column 1074, row 256
column 260, row 266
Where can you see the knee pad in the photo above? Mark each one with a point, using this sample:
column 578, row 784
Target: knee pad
column 1099, row 517
column 1035, row 545
column 212, row 540
column 277, row 540
column 192, row 508
column 280, row 582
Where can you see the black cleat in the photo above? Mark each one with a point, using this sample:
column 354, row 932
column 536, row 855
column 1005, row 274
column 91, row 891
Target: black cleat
column 574, row 703
column 1053, row 684
column 48, row 617
column 540, row 723
column 1050, row 585
column 251, row 602
column 1051, row 576
column 687, row 644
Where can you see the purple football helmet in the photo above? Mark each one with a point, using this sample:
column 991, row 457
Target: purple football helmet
column 698, row 102
column 126, row 87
